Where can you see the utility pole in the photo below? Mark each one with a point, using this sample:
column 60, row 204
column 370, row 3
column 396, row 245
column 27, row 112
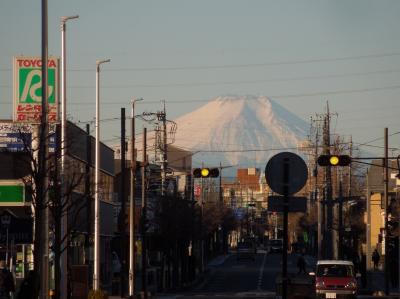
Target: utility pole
column 87, row 194
column 328, row 185
column 123, row 209
column 340, row 220
column 221, row 198
column 162, row 117
column 350, row 168
column 43, row 166
column 144, row 216
column 64, row 220
column 316, row 198
column 386, row 196
column 132, row 210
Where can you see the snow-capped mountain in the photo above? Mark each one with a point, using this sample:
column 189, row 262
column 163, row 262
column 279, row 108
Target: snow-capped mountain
column 243, row 131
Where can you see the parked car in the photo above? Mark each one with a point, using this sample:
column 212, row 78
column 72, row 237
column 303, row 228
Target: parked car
column 246, row 250
column 335, row 279
column 275, row 245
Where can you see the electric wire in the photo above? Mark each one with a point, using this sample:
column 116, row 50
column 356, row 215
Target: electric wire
column 230, row 66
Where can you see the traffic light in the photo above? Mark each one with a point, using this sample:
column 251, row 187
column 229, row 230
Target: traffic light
column 206, row 172
column 334, row 160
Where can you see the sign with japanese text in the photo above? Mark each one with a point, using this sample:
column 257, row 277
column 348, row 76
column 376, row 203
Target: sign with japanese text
column 18, row 137
column 15, row 137
column 28, row 89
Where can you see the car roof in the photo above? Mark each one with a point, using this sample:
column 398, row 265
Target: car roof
column 334, row 262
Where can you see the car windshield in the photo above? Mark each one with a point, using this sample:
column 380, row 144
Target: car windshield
column 244, row 245
column 276, row 242
column 335, row 270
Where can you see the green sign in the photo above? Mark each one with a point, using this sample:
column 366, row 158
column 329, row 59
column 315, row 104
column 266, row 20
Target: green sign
column 12, row 193
column 30, row 85
column 28, row 89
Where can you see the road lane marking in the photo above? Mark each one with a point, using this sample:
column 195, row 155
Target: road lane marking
column 260, row 275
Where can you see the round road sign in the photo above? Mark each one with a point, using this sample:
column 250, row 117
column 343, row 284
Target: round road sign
column 296, row 173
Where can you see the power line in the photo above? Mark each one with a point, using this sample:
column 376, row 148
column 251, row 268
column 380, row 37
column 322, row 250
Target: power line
column 316, row 77
column 230, row 66
column 376, row 139
column 249, row 65
column 298, row 95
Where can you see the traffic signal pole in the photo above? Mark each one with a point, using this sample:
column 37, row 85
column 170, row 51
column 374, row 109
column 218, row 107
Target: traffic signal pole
column 328, row 233
column 340, row 220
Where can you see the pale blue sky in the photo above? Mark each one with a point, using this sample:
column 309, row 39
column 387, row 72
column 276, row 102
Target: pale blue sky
column 300, row 53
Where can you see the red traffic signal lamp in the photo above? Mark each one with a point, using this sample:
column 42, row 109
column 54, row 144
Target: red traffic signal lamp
column 206, row 172
column 334, row 160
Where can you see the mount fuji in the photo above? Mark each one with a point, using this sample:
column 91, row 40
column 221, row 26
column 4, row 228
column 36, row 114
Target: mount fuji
column 239, row 131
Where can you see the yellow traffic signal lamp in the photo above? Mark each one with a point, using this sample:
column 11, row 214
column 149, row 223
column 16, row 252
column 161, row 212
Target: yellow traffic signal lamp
column 206, row 172
column 334, row 160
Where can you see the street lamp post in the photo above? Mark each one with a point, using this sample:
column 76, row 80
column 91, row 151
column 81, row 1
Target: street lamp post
column 96, row 274
column 132, row 205
column 64, row 221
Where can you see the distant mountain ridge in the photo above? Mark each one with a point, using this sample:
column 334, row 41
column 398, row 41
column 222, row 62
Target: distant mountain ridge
column 239, row 130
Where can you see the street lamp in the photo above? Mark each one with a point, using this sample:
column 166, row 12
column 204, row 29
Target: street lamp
column 64, row 220
column 132, row 205
column 96, row 272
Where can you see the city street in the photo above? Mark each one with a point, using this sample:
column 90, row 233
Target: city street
column 199, row 149
column 244, row 278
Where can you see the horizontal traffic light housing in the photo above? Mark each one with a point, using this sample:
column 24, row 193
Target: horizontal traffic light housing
column 206, row 172
column 334, row 160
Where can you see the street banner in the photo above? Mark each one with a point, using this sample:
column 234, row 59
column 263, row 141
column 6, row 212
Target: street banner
column 28, row 89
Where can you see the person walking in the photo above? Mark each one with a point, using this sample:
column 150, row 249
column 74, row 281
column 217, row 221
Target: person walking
column 6, row 282
column 301, row 264
column 375, row 259
column 29, row 286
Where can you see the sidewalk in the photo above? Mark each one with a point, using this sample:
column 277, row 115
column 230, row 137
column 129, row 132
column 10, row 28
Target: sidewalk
column 376, row 284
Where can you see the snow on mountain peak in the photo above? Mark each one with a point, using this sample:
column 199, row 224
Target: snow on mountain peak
column 239, row 130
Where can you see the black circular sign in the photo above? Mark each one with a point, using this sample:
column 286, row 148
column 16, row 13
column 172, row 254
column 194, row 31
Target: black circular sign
column 297, row 172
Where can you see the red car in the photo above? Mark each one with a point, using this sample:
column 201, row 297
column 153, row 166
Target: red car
column 335, row 279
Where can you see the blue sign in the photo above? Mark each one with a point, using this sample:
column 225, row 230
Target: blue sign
column 19, row 138
column 15, row 142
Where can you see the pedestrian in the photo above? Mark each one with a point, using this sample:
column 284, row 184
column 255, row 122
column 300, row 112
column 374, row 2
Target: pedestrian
column 356, row 262
column 375, row 258
column 6, row 282
column 301, row 264
column 29, row 286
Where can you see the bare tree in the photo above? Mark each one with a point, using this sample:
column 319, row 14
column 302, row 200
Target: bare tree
column 33, row 176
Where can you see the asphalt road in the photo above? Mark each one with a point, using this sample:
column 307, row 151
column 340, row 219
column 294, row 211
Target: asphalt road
column 244, row 278
column 249, row 279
